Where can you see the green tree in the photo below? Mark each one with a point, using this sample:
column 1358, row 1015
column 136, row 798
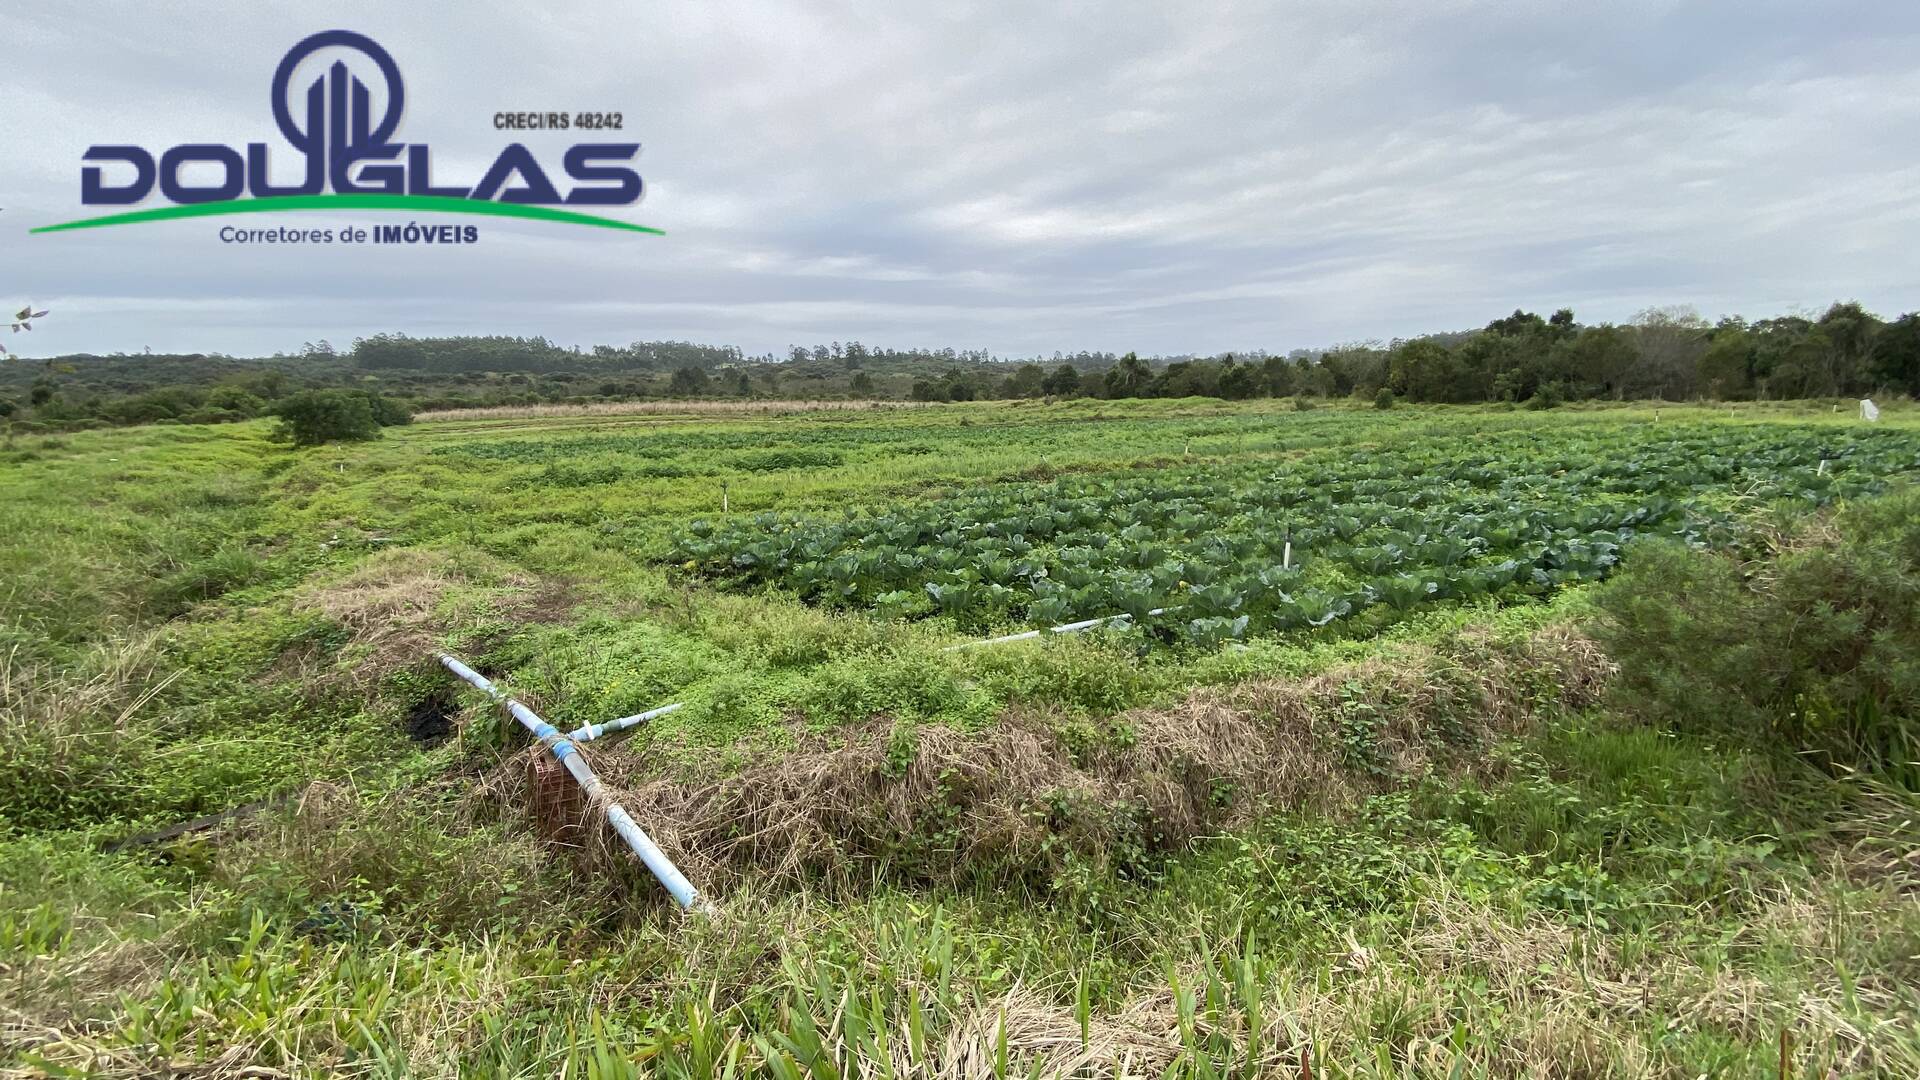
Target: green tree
column 314, row 417
column 1726, row 368
column 1279, row 375
column 387, row 412
column 1894, row 362
column 1027, row 381
column 1792, row 353
column 1423, row 370
column 1521, row 324
column 1184, row 378
column 1128, row 378
column 1064, row 381
column 1600, row 359
column 1238, row 382
column 688, row 382
column 1850, row 331
column 955, row 386
column 862, row 382
column 1778, row 345
column 1668, row 344
column 234, row 398
column 1359, row 367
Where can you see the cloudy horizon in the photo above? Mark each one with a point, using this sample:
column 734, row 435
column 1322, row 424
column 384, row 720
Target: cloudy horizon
column 1135, row 177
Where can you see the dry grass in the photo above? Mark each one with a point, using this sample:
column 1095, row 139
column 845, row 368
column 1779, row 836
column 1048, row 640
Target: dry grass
column 659, row 408
column 399, row 605
column 96, row 696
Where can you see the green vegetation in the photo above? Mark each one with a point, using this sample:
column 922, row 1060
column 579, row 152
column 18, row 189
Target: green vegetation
column 1815, row 642
column 1210, row 553
column 313, row 417
column 1444, row 833
column 1664, row 353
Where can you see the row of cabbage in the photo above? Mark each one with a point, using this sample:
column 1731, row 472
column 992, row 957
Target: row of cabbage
column 1216, row 554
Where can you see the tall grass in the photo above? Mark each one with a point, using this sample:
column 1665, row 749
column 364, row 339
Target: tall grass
column 192, row 619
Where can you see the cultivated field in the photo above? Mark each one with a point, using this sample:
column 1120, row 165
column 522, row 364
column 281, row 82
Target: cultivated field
column 1383, row 759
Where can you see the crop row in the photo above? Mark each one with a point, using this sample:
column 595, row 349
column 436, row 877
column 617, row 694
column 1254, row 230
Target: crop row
column 1227, row 552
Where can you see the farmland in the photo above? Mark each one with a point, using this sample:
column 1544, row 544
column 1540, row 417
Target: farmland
column 1215, row 549
column 1356, row 778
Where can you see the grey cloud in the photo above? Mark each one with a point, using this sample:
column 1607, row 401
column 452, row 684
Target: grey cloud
column 1167, row 178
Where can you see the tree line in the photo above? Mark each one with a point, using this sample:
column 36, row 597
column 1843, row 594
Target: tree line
column 1668, row 353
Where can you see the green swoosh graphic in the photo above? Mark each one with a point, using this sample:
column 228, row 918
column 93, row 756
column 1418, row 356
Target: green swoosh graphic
column 421, row 204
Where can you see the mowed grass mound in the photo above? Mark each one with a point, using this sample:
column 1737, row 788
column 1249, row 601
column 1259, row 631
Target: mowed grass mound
column 1430, row 838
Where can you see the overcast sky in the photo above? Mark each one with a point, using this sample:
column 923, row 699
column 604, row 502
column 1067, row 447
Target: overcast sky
column 1021, row 177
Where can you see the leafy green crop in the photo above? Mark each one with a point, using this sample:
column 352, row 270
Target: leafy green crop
column 1203, row 553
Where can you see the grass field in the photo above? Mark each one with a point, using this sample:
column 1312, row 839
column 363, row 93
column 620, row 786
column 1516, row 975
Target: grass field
column 1353, row 791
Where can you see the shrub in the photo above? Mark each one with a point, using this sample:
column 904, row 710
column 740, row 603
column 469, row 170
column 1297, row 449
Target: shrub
column 236, row 399
column 1549, row 395
column 1816, row 644
column 314, row 417
column 1383, row 399
column 386, row 411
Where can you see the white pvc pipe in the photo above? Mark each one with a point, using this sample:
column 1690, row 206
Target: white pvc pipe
column 1063, row 628
column 569, row 755
column 590, row 732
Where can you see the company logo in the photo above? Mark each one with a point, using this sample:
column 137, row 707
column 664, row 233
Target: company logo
column 345, row 133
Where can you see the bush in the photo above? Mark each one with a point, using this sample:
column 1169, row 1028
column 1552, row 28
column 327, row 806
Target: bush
column 1549, row 395
column 235, row 399
column 1383, row 399
column 1816, row 644
column 387, row 412
column 314, row 417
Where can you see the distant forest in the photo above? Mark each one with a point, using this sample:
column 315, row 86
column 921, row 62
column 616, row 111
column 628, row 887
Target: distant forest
column 1669, row 353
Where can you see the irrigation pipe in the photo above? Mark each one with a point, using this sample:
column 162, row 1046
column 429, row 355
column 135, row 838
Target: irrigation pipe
column 568, row 754
column 1063, row 628
column 590, row 732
